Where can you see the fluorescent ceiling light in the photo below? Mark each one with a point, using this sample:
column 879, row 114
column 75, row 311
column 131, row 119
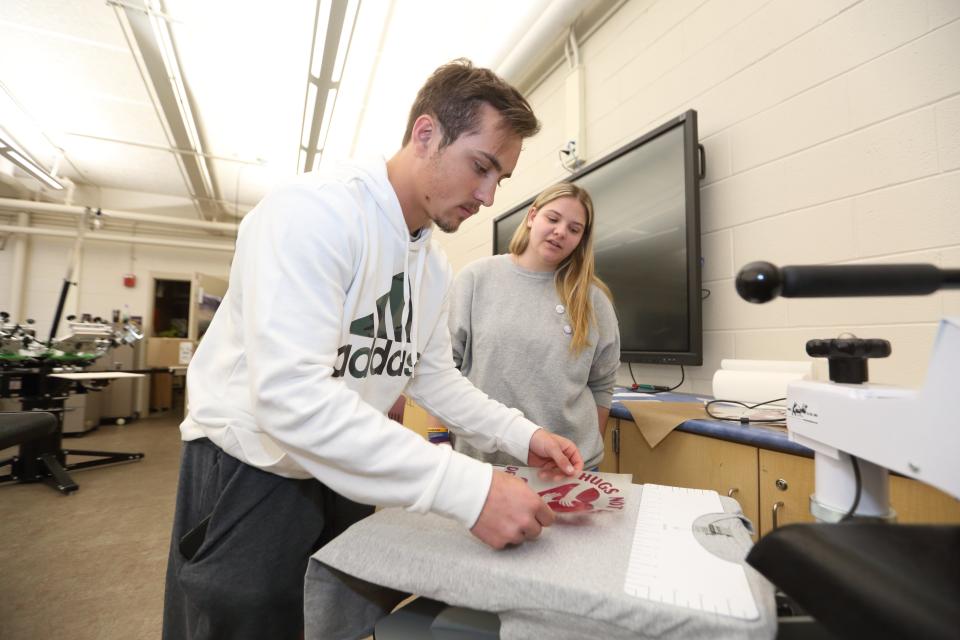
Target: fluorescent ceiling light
column 22, row 133
column 327, row 67
column 320, row 33
column 27, row 165
column 311, row 101
column 345, row 35
column 168, row 55
column 327, row 115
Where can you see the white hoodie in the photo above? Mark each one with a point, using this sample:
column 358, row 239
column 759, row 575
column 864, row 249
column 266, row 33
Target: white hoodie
column 323, row 276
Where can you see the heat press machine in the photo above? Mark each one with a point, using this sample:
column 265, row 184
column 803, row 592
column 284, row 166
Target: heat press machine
column 855, row 571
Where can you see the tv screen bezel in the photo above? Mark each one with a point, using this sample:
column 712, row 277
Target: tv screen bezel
column 693, row 172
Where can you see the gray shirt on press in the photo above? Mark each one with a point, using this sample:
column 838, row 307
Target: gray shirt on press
column 511, row 337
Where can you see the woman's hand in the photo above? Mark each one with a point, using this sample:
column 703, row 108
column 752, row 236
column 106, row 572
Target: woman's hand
column 555, row 455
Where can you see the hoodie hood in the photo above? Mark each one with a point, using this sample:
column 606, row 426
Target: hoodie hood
column 373, row 174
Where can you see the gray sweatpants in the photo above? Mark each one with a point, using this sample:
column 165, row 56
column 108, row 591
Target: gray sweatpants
column 247, row 535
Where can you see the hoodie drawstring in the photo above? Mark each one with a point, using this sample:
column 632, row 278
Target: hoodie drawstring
column 406, row 306
column 421, row 261
column 376, row 269
column 409, row 299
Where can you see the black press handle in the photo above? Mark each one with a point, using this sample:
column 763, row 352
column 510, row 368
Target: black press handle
column 762, row 281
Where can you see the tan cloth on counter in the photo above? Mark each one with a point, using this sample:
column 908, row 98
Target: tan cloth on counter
column 657, row 419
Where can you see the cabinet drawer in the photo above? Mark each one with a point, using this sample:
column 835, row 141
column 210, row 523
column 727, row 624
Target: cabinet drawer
column 786, row 482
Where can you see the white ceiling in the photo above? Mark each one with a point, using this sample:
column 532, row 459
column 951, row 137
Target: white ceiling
column 72, row 86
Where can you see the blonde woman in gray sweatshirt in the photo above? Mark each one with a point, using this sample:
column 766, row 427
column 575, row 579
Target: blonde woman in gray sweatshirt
column 536, row 329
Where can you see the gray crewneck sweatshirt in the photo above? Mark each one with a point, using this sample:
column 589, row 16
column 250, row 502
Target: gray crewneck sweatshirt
column 511, row 338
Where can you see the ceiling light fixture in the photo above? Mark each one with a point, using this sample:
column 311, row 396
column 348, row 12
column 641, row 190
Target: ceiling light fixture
column 8, row 151
column 331, row 44
column 327, row 114
column 319, row 29
column 148, row 33
column 346, row 33
column 161, row 31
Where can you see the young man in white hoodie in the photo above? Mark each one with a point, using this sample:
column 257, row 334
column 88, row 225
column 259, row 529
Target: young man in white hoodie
column 336, row 305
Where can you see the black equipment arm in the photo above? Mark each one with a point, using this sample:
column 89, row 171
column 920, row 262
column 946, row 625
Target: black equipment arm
column 59, row 312
column 762, row 281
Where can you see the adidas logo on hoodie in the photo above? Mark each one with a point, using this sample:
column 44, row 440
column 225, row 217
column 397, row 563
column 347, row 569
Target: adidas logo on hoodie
column 389, row 355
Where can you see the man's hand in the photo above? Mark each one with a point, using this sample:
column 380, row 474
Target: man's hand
column 555, row 455
column 512, row 513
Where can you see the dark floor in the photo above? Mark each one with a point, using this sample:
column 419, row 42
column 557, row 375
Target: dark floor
column 91, row 565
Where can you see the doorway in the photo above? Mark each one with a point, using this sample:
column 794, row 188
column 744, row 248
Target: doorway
column 171, row 308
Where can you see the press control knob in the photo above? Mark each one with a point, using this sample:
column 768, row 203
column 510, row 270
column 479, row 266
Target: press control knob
column 847, row 357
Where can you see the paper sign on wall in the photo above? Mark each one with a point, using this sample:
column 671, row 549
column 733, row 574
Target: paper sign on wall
column 185, row 353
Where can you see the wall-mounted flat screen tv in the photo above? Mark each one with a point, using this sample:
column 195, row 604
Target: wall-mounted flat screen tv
column 646, row 197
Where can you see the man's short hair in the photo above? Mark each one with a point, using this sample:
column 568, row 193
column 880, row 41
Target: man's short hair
column 454, row 93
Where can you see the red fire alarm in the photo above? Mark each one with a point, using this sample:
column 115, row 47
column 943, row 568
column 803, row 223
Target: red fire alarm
column 130, row 280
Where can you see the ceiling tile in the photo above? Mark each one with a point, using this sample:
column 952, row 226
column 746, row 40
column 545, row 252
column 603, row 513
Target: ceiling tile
column 107, row 164
column 90, row 22
column 105, row 117
column 59, row 70
column 243, row 185
column 248, row 82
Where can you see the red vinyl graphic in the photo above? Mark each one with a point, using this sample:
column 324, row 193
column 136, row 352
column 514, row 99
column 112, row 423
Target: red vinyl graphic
column 557, row 498
column 589, row 492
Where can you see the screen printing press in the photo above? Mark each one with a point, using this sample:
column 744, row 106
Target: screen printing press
column 669, row 565
column 45, row 377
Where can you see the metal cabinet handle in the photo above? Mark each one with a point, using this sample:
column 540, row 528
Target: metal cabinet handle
column 776, row 513
column 732, row 491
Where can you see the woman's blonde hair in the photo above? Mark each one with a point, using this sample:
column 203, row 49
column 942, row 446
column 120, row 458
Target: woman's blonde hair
column 576, row 273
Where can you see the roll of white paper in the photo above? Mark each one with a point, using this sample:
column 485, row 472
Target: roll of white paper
column 784, row 366
column 753, row 386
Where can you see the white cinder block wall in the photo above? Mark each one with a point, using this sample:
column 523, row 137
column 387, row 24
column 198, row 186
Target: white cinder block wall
column 100, row 285
column 832, row 135
column 99, row 288
column 6, row 267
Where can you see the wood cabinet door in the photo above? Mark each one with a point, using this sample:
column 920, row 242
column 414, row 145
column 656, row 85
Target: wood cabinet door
column 687, row 460
column 786, row 482
column 610, row 463
column 913, row 501
column 415, row 417
column 919, row 503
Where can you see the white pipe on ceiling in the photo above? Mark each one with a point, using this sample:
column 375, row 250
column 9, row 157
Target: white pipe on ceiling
column 112, row 237
column 51, row 207
column 552, row 23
